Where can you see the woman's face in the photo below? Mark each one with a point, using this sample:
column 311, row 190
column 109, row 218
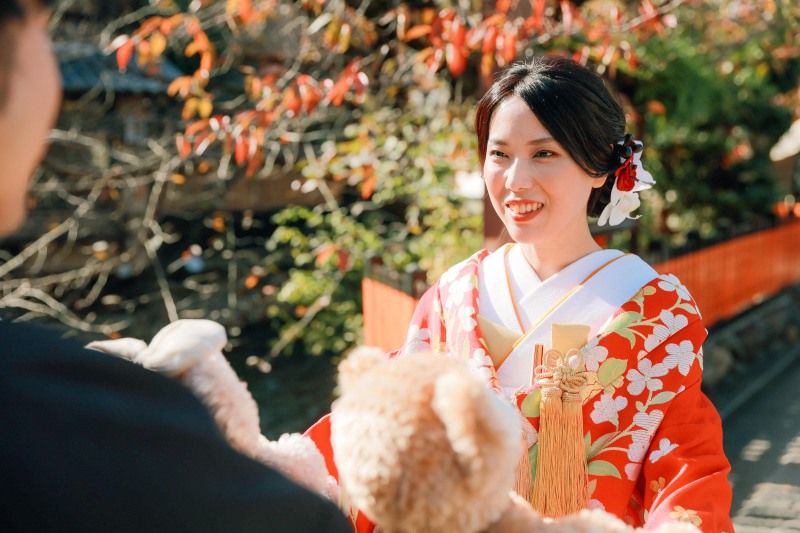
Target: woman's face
column 28, row 113
column 537, row 189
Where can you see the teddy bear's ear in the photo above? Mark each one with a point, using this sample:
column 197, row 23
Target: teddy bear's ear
column 357, row 362
column 476, row 420
column 182, row 344
column 127, row 348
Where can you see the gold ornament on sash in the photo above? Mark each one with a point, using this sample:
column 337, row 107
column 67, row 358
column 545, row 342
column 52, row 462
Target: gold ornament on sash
column 560, row 485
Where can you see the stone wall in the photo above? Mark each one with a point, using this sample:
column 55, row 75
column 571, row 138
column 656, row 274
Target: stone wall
column 743, row 354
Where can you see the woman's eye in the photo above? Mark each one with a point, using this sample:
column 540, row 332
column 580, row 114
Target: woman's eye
column 496, row 153
column 544, row 153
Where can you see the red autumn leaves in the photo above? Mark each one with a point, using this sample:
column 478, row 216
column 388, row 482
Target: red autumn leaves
column 441, row 38
column 449, row 38
column 150, row 41
column 241, row 134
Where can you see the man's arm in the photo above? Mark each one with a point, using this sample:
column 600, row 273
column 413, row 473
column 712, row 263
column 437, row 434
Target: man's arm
column 91, row 442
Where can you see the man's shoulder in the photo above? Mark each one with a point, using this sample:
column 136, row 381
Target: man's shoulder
column 72, row 415
column 32, row 340
column 35, row 355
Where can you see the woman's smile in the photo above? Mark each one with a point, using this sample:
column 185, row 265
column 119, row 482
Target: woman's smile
column 522, row 211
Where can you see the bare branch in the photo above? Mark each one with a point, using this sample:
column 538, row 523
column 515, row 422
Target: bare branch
column 94, row 293
column 51, row 307
column 89, row 269
column 163, row 284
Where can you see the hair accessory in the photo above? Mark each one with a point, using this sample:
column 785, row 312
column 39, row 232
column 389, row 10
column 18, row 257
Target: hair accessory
column 630, row 178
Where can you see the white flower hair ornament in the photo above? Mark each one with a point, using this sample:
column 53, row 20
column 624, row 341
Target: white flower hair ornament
column 631, row 178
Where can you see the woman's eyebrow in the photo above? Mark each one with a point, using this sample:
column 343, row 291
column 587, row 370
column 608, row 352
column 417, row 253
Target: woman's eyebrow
column 540, row 140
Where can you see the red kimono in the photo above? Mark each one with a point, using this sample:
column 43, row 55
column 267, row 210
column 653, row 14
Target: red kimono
column 653, row 439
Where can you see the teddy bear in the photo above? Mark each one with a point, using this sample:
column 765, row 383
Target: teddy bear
column 190, row 351
column 422, row 445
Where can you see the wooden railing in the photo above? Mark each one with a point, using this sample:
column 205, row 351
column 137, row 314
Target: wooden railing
column 729, row 277
column 724, row 278
column 389, row 299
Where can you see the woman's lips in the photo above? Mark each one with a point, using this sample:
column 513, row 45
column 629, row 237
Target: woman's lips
column 523, row 211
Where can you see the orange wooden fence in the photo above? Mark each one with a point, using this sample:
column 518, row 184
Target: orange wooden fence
column 388, row 302
column 725, row 279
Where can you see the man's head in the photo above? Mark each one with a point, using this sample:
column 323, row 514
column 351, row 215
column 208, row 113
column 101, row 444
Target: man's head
column 30, row 93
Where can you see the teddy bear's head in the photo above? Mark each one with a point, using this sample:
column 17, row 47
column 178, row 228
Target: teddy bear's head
column 421, row 444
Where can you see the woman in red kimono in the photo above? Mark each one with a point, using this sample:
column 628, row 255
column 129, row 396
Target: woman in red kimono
column 555, row 312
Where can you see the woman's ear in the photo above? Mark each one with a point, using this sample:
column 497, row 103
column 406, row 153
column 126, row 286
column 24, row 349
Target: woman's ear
column 599, row 182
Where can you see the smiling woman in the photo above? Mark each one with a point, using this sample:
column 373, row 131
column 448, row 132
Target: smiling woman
column 537, row 189
column 601, row 354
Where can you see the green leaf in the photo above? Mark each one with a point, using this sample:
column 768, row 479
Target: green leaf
column 533, row 454
column 648, row 291
column 628, row 334
column 620, row 325
column 610, row 370
column 465, row 349
column 662, row 397
column 603, row 468
column 640, row 406
column 623, row 320
column 689, row 308
column 598, row 445
column 530, row 405
column 617, row 383
column 587, row 441
column 590, row 487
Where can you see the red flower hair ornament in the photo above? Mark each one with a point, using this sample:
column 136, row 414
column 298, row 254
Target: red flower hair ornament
column 629, row 179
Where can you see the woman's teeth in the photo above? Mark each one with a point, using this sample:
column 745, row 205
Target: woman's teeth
column 525, row 208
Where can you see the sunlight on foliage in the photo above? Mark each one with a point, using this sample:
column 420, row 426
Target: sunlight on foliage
column 358, row 118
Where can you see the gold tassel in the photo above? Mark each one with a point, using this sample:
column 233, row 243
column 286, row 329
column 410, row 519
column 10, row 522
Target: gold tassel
column 577, row 475
column 561, row 473
column 523, row 484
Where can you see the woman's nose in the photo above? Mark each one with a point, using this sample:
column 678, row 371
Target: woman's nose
column 518, row 176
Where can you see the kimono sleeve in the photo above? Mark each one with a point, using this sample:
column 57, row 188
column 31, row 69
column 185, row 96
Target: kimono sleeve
column 685, row 469
column 427, row 328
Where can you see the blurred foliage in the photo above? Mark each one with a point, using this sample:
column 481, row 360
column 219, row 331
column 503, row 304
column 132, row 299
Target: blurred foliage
column 405, row 209
column 369, row 106
column 379, row 98
column 712, row 104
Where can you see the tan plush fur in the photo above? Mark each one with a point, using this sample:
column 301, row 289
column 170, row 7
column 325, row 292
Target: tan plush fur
column 191, row 351
column 411, row 436
column 422, row 445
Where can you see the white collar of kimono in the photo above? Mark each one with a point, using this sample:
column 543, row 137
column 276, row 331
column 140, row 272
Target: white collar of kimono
column 591, row 304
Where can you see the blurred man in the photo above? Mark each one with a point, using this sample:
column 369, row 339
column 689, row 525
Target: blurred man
column 89, row 442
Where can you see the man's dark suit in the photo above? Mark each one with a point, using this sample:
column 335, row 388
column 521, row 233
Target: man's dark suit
column 89, row 442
